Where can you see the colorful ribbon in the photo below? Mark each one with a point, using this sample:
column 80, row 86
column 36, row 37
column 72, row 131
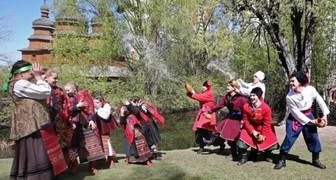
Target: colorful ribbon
column 11, row 75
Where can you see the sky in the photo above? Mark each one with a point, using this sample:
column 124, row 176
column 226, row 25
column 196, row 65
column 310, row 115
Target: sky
column 19, row 17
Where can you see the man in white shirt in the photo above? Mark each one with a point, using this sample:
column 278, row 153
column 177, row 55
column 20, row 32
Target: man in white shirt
column 299, row 101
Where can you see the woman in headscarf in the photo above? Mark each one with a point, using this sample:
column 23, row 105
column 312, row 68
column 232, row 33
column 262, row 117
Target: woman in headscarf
column 149, row 114
column 135, row 145
column 38, row 154
column 204, row 123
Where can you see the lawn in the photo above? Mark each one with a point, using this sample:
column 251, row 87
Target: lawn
column 186, row 164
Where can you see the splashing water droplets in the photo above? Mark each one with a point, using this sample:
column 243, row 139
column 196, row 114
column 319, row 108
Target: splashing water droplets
column 223, row 67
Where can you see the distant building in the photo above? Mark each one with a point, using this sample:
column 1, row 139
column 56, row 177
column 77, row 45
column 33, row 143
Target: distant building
column 39, row 49
column 67, row 22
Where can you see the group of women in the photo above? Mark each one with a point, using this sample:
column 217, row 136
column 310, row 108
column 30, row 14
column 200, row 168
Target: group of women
column 248, row 123
column 54, row 128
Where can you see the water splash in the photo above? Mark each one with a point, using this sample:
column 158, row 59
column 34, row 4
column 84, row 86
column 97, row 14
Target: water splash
column 223, row 67
column 149, row 53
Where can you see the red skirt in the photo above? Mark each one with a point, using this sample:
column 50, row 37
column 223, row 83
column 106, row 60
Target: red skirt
column 202, row 122
column 229, row 129
column 64, row 132
column 270, row 140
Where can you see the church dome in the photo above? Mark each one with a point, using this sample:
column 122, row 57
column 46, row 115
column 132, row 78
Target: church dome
column 44, row 20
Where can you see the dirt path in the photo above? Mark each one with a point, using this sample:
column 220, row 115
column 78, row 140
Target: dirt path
column 326, row 134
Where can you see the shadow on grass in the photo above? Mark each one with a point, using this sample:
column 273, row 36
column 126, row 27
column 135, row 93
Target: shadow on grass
column 289, row 157
column 296, row 158
column 275, row 157
column 167, row 172
column 119, row 159
column 207, row 151
column 82, row 173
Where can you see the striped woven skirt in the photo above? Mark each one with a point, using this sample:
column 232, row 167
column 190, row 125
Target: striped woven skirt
column 90, row 148
column 138, row 151
column 144, row 153
column 107, row 145
column 54, row 150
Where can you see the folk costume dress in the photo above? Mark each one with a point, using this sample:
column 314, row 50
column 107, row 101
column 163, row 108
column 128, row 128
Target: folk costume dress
column 64, row 132
column 38, row 154
column 301, row 119
column 135, row 145
column 229, row 127
column 204, row 127
column 106, row 123
column 143, row 119
column 85, row 140
column 149, row 113
column 258, row 119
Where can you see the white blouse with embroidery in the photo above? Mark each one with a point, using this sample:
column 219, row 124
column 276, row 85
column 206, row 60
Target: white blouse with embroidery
column 104, row 112
column 27, row 89
column 298, row 102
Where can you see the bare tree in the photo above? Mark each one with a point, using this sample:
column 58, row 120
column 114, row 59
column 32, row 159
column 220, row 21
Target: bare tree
column 289, row 24
column 5, row 31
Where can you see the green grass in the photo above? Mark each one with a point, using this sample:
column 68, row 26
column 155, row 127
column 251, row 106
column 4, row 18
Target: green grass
column 186, row 164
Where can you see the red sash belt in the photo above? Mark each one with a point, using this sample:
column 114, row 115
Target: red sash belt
column 296, row 124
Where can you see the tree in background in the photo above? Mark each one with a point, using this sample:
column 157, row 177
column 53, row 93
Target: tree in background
column 172, row 42
column 293, row 36
column 290, row 25
column 5, row 32
column 167, row 43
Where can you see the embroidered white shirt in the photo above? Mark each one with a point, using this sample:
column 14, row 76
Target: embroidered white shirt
column 27, row 89
column 298, row 102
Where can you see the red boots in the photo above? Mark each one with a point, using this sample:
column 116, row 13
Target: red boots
column 148, row 163
column 110, row 161
column 92, row 166
column 74, row 166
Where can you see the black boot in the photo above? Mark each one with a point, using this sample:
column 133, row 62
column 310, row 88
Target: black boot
column 243, row 154
column 207, row 142
column 316, row 162
column 253, row 155
column 282, row 162
column 156, row 156
column 234, row 153
column 201, row 149
column 267, row 158
column 221, row 148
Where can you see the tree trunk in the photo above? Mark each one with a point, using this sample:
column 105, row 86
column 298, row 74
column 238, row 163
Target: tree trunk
column 299, row 56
